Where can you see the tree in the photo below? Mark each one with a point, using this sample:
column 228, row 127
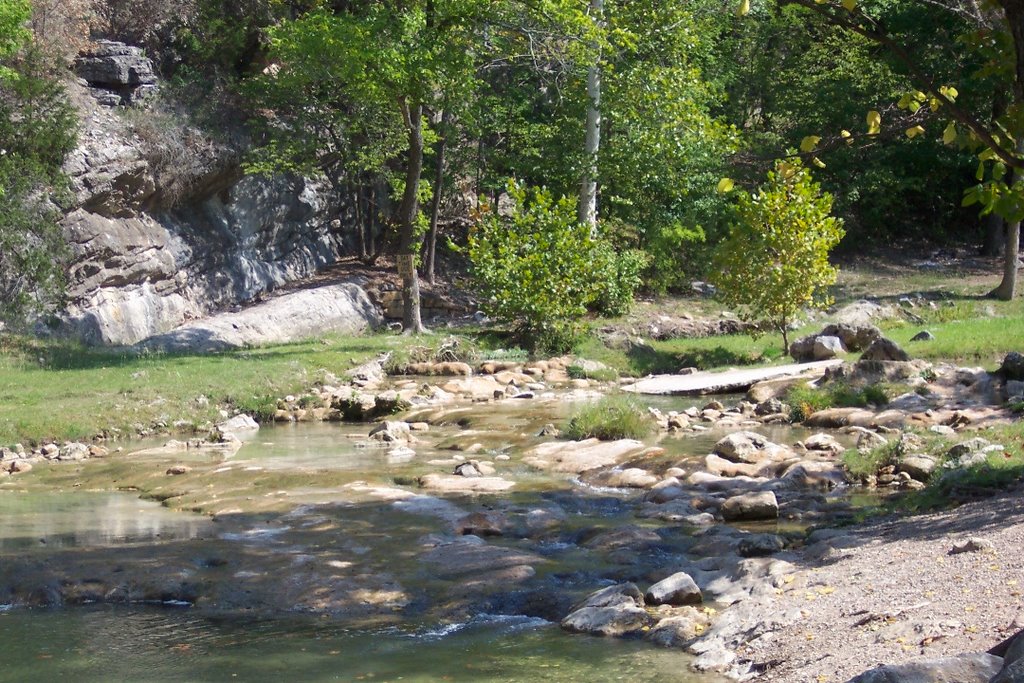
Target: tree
column 536, row 267
column 775, row 260
column 36, row 132
column 378, row 72
column 998, row 141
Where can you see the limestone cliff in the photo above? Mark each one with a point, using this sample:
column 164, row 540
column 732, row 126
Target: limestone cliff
column 142, row 264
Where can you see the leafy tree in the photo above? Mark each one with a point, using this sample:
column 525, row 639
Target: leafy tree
column 536, row 267
column 36, row 132
column 998, row 138
column 775, row 260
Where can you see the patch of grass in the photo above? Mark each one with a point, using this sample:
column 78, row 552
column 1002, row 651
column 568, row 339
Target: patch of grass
column 613, row 417
column 806, row 401
column 600, row 374
column 861, row 464
column 58, row 391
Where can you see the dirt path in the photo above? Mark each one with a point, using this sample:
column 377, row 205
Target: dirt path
column 892, row 591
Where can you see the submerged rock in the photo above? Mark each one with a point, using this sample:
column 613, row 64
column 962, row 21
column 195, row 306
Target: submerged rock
column 751, row 506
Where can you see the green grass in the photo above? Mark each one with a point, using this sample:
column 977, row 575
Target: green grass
column 53, row 390
column 806, row 400
column 613, row 417
column 862, row 464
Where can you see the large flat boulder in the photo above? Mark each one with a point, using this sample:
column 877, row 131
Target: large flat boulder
column 730, row 381
column 575, row 457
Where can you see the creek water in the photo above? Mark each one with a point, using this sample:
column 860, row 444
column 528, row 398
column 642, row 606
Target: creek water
column 296, row 497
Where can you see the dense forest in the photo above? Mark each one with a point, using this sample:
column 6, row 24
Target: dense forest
column 451, row 129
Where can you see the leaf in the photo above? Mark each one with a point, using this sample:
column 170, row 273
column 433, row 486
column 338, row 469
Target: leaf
column 847, row 136
column 818, row 162
column 874, row 120
column 744, row 8
column 850, row 5
column 914, row 131
column 725, row 185
column 949, row 135
column 809, row 143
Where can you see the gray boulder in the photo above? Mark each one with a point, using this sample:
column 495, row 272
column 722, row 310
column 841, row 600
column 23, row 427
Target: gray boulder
column 751, row 506
column 885, row 350
column 613, row 611
column 974, row 668
column 678, row 589
column 119, row 70
column 919, row 467
column 827, row 347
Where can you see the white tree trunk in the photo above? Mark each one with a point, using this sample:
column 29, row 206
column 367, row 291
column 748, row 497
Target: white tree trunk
column 592, row 144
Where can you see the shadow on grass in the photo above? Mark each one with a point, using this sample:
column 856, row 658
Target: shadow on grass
column 69, row 355
column 646, row 360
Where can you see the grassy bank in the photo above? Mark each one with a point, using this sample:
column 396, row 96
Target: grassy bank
column 51, row 390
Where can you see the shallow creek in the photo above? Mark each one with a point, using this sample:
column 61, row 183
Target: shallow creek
column 309, row 555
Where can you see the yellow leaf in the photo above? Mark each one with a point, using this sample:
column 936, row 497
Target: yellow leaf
column 850, row 5
column 786, row 170
column 874, row 122
column 818, row 162
column 744, row 8
column 725, row 185
column 826, row 590
column 847, row 136
column 949, row 135
column 905, row 101
column 914, row 132
column 809, row 143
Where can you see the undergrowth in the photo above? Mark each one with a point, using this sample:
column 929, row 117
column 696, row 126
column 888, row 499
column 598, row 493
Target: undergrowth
column 613, row 417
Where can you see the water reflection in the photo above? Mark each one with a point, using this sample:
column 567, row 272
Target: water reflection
column 87, row 519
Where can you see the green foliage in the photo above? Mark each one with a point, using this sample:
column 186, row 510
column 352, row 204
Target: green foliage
column 621, row 275
column 807, row 400
column 13, row 15
column 613, row 417
column 775, row 261
column 37, row 129
column 862, row 464
column 535, row 268
column 600, row 374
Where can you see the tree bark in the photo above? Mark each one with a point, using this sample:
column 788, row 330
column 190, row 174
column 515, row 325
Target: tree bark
column 430, row 255
column 587, row 213
column 1007, row 288
column 407, row 213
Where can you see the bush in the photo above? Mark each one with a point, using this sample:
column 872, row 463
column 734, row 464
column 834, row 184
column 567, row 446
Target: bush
column 611, row 418
column 805, row 401
column 867, row 463
column 535, row 268
column 621, row 275
column 775, row 261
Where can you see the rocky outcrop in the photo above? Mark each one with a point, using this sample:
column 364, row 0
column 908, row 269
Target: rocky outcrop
column 143, row 264
column 119, row 74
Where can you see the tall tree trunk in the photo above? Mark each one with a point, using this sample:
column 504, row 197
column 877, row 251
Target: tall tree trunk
column 360, row 219
column 1007, row 288
column 430, row 257
column 407, row 213
column 587, row 212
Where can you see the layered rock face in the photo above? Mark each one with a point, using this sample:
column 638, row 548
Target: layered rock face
column 140, row 269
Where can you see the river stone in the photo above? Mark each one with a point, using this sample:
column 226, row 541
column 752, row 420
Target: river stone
column 613, row 611
column 676, row 631
column 923, row 335
column 973, row 668
column 814, row 474
column 823, row 442
column 968, row 447
column 576, row 457
column 391, row 432
column 238, row 424
column 678, row 589
column 453, row 483
column 751, row 506
column 773, row 388
column 920, row 467
column 728, row 468
column 760, row 545
column 1011, row 673
column 630, row 477
column 748, row 447
column 884, row 349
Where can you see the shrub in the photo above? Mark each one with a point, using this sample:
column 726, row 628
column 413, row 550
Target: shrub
column 863, row 464
column 775, row 260
column 805, row 400
column 535, row 268
column 621, row 275
column 613, row 417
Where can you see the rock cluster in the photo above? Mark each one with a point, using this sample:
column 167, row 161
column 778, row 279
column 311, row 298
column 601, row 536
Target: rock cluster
column 118, row 74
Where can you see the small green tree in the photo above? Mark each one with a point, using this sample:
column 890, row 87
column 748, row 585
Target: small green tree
column 775, row 260
column 535, row 268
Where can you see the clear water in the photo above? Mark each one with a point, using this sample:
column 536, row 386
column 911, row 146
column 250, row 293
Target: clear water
column 150, row 644
column 307, row 468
